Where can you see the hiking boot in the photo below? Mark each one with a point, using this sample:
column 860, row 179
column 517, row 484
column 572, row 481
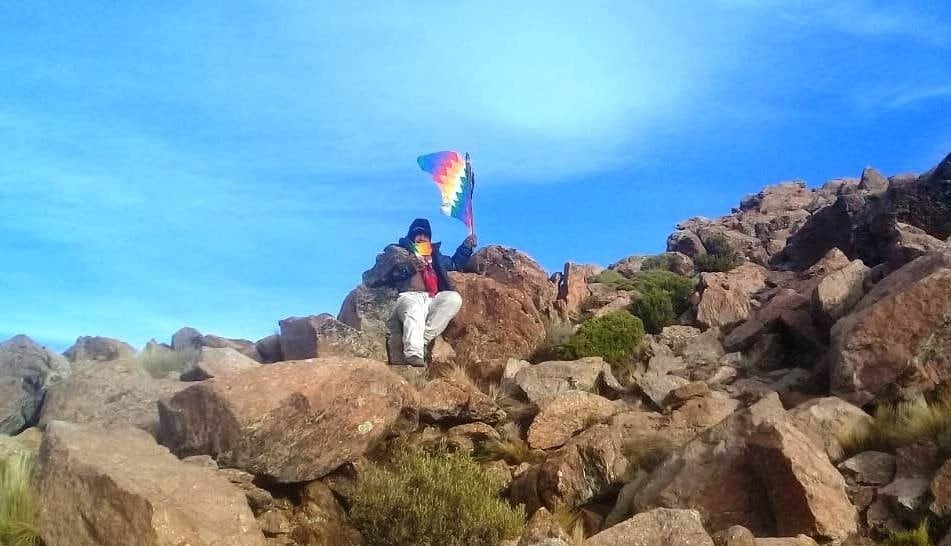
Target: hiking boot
column 415, row 361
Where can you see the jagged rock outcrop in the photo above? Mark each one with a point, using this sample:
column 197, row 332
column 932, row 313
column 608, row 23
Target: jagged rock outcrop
column 899, row 336
column 113, row 488
column 291, row 421
column 27, row 370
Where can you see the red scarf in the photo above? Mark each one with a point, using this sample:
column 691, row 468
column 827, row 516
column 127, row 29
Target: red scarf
column 430, row 280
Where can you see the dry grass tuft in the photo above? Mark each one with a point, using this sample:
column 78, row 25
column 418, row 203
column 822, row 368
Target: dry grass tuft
column 649, row 451
column 17, row 501
column 898, row 425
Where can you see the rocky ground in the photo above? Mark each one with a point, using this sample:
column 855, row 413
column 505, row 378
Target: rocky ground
column 748, row 420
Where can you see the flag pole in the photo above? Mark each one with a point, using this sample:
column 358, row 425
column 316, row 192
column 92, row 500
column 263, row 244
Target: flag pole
column 470, row 175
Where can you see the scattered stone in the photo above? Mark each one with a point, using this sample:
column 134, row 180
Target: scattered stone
column 734, row 536
column 445, row 401
column 677, row 337
column 562, row 416
column 657, row 387
column 869, row 468
column 243, row 346
column 704, row 348
column 824, row 419
column 941, row 491
column 907, row 497
column 695, row 389
column 540, row 527
column 548, row 379
column 659, row 526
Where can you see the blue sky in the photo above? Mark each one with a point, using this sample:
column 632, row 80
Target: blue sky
column 227, row 164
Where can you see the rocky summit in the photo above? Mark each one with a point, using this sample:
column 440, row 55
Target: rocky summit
column 780, row 375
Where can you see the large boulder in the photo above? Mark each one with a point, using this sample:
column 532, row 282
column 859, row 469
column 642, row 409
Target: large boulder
column 516, row 270
column 496, row 321
column 270, row 349
column 324, row 336
column 217, row 363
column 186, row 338
column 901, row 340
column 656, row 527
column 109, row 394
column 807, row 494
column 98, row 487
column 98, row 349
column 757, row 470
column 27, row 370
column 725, row 297
column 291, row 421
column 685, row 242
column 370, row 310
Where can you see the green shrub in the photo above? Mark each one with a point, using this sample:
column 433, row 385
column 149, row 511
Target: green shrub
column 613, row 279
column 898, row 425
column 719, row 257
column 17, row 502
column 662, row 262
column 615, row 336
column 160, row 362
column 678, row 287
column 445, row 499
column 655, row 310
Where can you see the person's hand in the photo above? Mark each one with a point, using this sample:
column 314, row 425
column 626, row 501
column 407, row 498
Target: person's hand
column 471, row 241
column 417, row 262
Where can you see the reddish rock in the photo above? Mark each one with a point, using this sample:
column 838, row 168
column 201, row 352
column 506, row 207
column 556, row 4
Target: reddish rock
column 243, row 346
column 445, row 401
column 573, row 286
column 495, row 322
column 877, row 348
column 806, row 492
column 270, row 349
column 562, row 416
column 685, row 242
column 824, row 419
column 292, row 421
column 27, row 370
column 548, row 379
column 516, row 270
column 725, row 297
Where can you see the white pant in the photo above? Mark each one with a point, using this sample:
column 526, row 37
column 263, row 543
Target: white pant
column 424, row 317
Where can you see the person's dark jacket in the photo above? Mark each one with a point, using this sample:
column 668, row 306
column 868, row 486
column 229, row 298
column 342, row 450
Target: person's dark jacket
column 397, row 262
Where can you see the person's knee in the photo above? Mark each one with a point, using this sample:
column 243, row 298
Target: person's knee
column 453, row 301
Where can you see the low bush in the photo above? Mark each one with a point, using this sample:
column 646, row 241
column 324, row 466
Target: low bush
column 655, row 310
column 160, row 362
column 719, row 257
column 615, row 337
column 443, row 499
column 17, row 501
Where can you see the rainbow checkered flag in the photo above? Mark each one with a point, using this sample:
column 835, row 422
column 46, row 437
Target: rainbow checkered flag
column 453, row 175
